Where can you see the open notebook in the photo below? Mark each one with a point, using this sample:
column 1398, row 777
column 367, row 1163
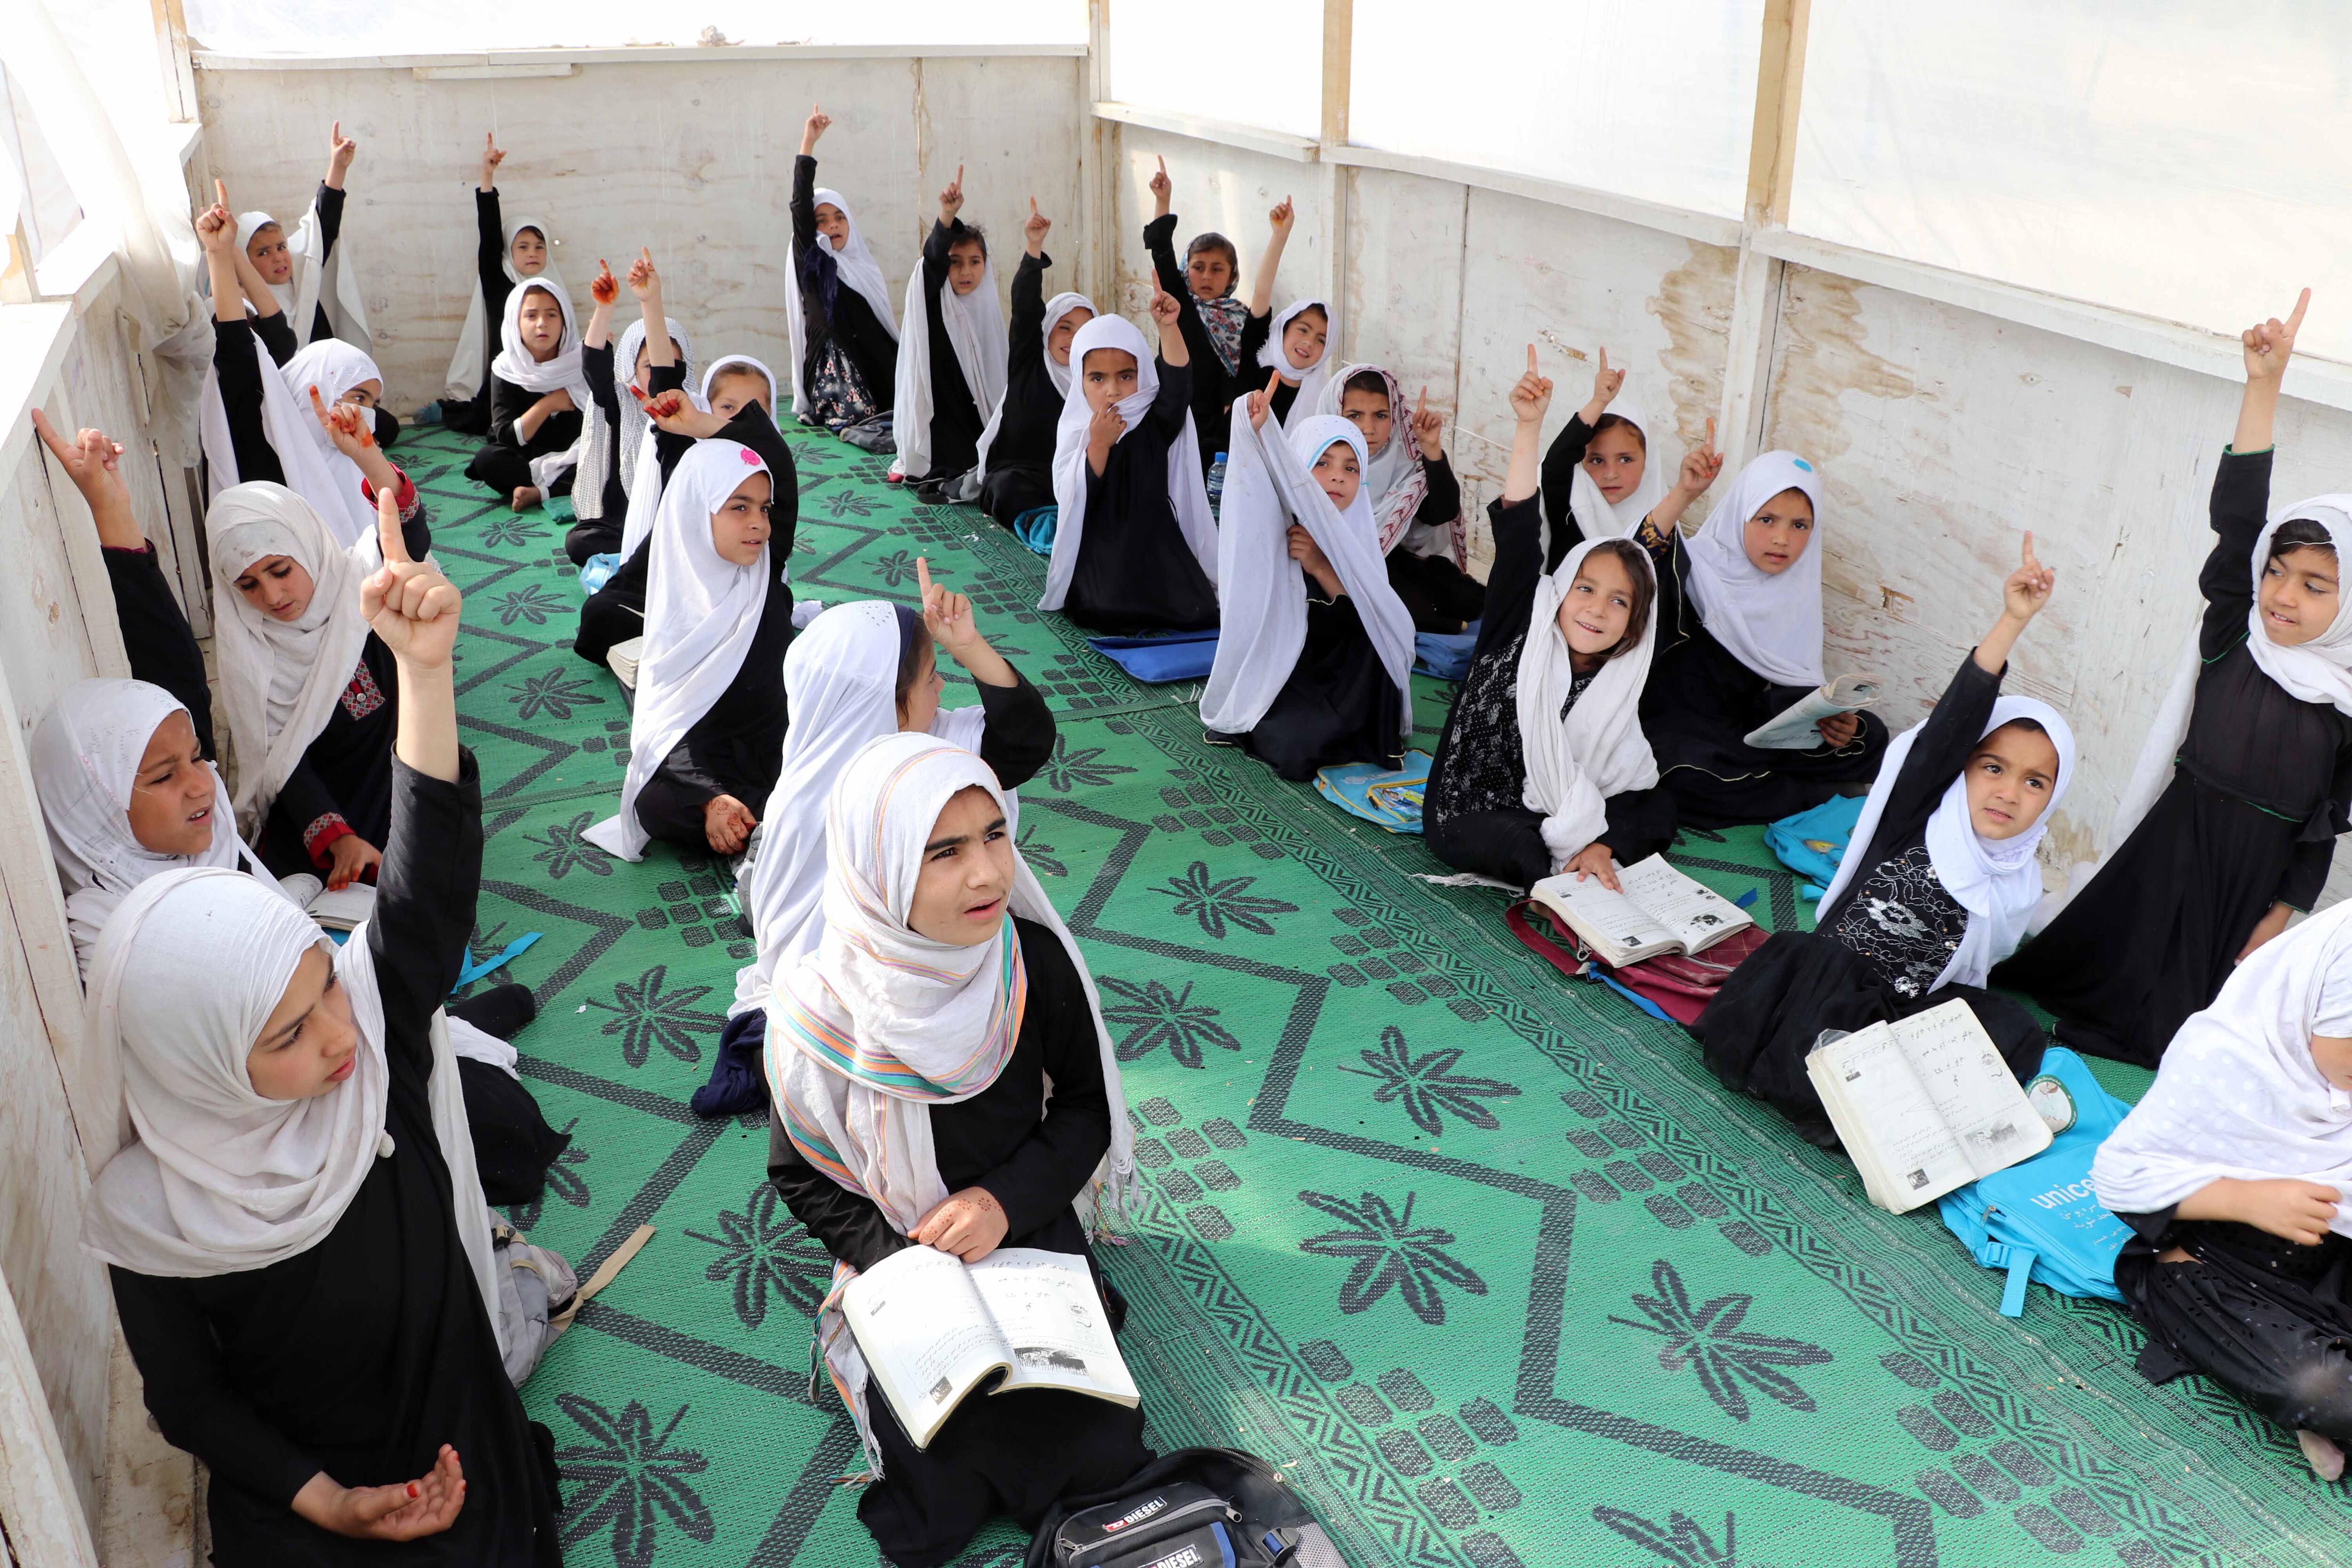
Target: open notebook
column 1659, row 910
column 1792, row 729
column 933, row 1329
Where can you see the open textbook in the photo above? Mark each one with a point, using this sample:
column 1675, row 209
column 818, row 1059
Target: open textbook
column 1659, row 910
column 932, row 1329
column 1793, row 729
column 1925, row 1105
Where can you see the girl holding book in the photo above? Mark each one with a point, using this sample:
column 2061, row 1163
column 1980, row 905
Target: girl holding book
column 1935, row 889
column 941, row 1077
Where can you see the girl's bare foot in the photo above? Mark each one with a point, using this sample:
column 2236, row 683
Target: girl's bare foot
column 525, row 497
column 2326, row 1460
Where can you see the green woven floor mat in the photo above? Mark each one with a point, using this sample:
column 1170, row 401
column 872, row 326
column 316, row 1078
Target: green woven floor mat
column 1482, row 1257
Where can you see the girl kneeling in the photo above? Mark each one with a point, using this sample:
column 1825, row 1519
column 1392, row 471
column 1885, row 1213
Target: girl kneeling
column 1935, row 889
column 909, row 1056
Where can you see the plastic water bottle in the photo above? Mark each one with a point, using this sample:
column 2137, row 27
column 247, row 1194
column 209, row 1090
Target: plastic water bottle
column 1217, row 487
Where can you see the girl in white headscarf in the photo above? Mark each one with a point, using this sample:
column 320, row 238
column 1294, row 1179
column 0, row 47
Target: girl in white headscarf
column 858, row 672
column 285, row 1192
column 838, row 315
column 1739, row 639
column 539, row 389
column 1415, row 499
column 313, row 286
column 1014, row 472
column 1543, row 767
column 2230, row 821
column 1297, row 350
column 1599, row 478
column 506, row 255
column 707, row 728
column 1315, row 650
column 615, row 445
column 1135, row 548
column 909, row 1056
column 1937, row 883
column 2235, row 1173
column 952, row 366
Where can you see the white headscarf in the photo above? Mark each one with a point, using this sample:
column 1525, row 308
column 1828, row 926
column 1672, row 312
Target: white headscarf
column 856, row 269
column 975, row 329
column 1600, row 518
column 1770, row 623
column 335, row 367
column 2238, row 1095
column 1575, row 763
column 1056, row 371
column 880, row 1022
column 301, row 447
column 840, row 687
column 701, row 611
column 1997, row 880
column 2317, row 672
column 319, row 276
column 1311, row 379
column 219, row 1180
column 602, row 446
column 561, row 371
column 464, row 378
column 1262, row 592
column 1186, row 493
column 280, row 680
column 1397, row 477
column 85, row 755
column 640, row 458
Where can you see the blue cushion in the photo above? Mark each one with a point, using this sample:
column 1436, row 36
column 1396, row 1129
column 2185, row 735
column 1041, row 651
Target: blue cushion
column 1155, row 660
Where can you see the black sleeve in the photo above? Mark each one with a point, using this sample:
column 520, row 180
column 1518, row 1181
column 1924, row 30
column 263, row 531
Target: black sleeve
column 1250, row 375
column 1159, row 239
column 668, row 444
column 190, row 1396
column 1028, row 334
column 1518, row 569
column 277, row 334
column 1444, row 501
column 935, row 257
column 1559, row 465
column 508, row 402
column 235, row 360
column 751, row 428
column 1174, row 402
column 2241, row 506
column 803, row 206
column 1641, row 824
column 1051, row 1166
column 2313, row 854
column 490, row 248
column 850, row 1227
column 425, row 894
column 596, row 364
column 331, row 220
column 304, row 804
column 1018, row 735
column 156, row 634
column 1941, row 749
column 2156, row 1228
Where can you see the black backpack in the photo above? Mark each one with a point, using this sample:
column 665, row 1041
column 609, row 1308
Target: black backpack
column 1196, row 1507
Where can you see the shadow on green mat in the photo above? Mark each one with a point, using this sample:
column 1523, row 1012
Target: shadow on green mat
column 1483, row 1258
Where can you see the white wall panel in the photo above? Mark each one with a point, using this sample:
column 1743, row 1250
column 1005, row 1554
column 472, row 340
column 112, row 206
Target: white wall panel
column 1253, row 62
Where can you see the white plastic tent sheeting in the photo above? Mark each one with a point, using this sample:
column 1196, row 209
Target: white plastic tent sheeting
column 1251, row 62
column 346, row 27
column 1654, row 100
column 2177, row 158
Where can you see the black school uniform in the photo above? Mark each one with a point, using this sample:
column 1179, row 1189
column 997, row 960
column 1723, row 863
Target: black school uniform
column 1877, row 948
column 602, row 536
column 2266, row 1318
column 1135, row 571
column 1438, row 594
column 849, row 363
column 362, row 1355
column 1701, row 701
column 1019, row 475
column 238, row 347
column 1214, row 386
column 503, row 463
column 1561, row 459
column 1339, row 706
column 473, row 415
column 1014, row 1453
column 956, row 420
column 1016, row 739
column 2262, row 787
column 1473, row 812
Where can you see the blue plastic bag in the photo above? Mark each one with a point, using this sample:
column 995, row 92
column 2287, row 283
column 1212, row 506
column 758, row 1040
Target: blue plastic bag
column 1811, row 843
column 1035, row 528
column 1155, row 660
column 2039, row 1219
column 598, row 571
column 1445, row 655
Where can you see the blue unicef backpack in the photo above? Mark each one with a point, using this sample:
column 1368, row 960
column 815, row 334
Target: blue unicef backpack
column 2039, row 1219
column 1811, row 843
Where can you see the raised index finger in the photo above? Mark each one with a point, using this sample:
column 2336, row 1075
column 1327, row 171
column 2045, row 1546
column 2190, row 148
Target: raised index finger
column 2029, row 561
column 63, row 452
column 923, row 578
column 389, row 538
column 2301, row 305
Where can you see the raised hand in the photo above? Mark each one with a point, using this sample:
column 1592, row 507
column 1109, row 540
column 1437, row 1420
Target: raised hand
column 406, row 1510
column 1032, row 233
column 1428, row 428
column 411, row 606
column 603, row 288
column 1164, row 309
column 817, row 124
column 645, row 282
column 214, row 230
column 492, row 156
column 2027, row 588
column 947, row 615
column 1161, row 190
column 1701, row 464
column 1606, row 383
column 341, row 150
column 951, row 199
column 351, row 430
column 88, row 459
column 1531, row 393
column 1282, row 216
column 2268, row 344
column 1260, row 403
column 672, row 412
